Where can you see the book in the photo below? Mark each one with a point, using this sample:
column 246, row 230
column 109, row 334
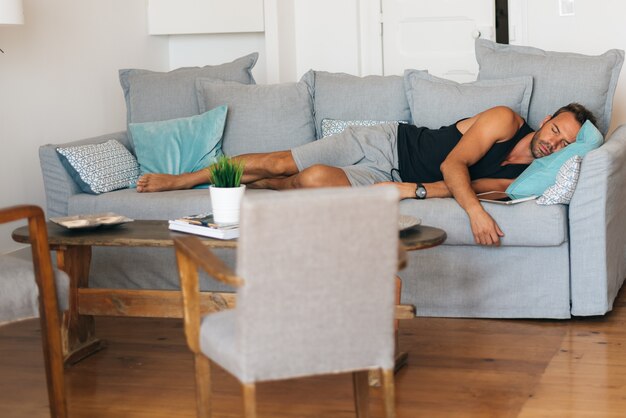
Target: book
column 205, row 225
column 504, row 198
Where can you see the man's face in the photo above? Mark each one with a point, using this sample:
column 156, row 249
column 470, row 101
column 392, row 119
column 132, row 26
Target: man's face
column 555, row 134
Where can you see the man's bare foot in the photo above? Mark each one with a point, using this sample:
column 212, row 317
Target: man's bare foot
column 162, row 182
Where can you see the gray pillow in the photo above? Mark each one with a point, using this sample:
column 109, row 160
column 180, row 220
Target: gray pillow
column 154, row 96
column 261, row 118
column 559, row 78
column 348, row 97
column 437, row 102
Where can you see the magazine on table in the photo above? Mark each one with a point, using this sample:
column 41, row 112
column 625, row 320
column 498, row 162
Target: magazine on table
column 204, row 224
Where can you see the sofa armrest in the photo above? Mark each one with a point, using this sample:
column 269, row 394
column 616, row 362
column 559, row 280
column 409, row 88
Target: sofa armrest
column 58, row 184
column 597, row 227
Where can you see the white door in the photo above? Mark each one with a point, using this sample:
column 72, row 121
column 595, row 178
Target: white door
column 435, row 35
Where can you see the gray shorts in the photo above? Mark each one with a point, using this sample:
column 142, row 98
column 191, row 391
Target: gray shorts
column 366, row 154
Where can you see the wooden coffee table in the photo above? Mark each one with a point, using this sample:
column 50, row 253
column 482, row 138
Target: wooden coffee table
column 73, row 250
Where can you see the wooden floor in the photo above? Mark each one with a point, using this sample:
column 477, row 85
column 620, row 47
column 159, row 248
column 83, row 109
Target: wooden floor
column 457, row 368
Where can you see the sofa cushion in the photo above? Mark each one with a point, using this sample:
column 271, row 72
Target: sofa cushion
column 524, row 224
column 100, row 168
column 261, row 118
column 559, row 78
column 348, row 97
column 336, row 126
column 152, row 96
column 437, row 102
column 162, row 205
column 562, row 190
column 180, row 145
column 541, row 174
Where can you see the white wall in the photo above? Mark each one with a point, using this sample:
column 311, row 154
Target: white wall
column 299, row 35
column 58, row 82
column 598, row 25
column 327, row 36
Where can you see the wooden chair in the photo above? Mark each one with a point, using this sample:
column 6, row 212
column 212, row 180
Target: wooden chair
column 315, row 283
column 48, row 304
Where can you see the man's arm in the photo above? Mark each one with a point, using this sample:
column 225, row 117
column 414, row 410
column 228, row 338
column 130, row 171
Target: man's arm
column 489, row 127
column 439, row 188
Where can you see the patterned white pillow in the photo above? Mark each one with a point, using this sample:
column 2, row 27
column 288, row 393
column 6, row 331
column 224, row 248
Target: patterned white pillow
column 562, row 191
column 100, row 168
column 336, row 126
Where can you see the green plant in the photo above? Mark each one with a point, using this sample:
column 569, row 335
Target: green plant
column 226, row 172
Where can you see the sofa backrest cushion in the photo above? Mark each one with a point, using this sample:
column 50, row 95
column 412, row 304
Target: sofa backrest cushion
column 153, row 96
column 180, row 145
column 261, row 118
column 437, row 102
column 559, row 78
column 542, row 173
column 348, row 97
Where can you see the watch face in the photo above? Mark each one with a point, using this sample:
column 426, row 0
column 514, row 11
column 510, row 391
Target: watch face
column 420, row 192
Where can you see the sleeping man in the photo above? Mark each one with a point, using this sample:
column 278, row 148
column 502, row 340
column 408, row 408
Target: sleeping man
column 481, row 153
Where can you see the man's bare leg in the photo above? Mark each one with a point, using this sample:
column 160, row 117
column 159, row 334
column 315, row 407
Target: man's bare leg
column 256, row 167
column 314, row 176
column 161, row 182
column 267, row 165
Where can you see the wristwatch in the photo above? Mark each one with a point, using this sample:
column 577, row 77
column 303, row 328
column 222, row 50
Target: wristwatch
column 420, row 191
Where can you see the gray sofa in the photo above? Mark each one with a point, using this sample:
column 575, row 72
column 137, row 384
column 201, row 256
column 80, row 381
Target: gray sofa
column 554, row 262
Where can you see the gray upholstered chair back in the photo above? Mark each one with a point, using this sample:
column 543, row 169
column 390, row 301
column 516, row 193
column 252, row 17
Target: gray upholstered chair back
column 319, row 268
column 19, row 295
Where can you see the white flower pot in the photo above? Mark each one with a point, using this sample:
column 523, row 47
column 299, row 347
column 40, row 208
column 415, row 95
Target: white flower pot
column 226, row 203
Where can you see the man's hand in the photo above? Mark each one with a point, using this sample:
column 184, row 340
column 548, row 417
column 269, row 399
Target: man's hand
column 486, row 231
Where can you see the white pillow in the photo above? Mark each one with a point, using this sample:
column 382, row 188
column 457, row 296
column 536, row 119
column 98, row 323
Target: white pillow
column 100, row 168
column 562, row 191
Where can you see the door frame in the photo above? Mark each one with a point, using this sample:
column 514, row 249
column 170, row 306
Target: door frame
column 518, row 18
column 370, row 37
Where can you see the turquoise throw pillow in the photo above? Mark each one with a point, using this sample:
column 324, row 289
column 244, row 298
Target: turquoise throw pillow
column 542, row 173
column 180, row 145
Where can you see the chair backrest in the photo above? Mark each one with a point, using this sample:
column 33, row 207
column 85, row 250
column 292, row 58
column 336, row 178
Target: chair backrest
column 319, row 268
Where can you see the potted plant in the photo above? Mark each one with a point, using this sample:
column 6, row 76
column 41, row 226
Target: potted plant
column 226, row 190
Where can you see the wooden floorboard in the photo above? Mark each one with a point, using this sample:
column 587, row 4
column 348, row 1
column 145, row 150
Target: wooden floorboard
column 456, row 368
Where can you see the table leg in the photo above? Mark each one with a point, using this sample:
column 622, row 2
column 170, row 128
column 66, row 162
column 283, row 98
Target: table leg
column 77, row 331
column 401, row 357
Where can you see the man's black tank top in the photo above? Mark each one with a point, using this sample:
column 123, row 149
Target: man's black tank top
column 421, row 151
